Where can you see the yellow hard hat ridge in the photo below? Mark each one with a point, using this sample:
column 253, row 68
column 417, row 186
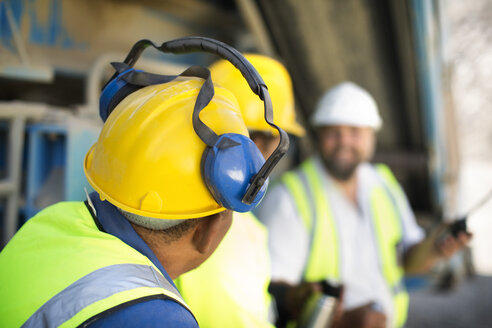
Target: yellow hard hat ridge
column 279, row 85
column 147, row 159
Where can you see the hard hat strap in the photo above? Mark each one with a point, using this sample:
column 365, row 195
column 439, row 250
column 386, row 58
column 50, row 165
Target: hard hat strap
column 205, row 95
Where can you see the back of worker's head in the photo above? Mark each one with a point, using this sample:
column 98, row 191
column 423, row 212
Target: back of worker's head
column 347, row 104
column 147, row 160
column 279, row 85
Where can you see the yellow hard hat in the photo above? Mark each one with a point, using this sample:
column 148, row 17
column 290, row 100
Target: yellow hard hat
column 147, row 158
column 279, row 85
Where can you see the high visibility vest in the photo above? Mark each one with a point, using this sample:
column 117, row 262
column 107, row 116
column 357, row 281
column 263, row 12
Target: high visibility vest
column 230, row 289
column 61, row 270
column 386, row 200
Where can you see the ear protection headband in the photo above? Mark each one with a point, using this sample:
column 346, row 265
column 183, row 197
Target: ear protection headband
column 232, row 166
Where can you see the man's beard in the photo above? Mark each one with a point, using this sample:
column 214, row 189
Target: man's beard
column 341, row 171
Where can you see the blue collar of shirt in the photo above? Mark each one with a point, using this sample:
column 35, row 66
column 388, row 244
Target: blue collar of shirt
column 114, row 223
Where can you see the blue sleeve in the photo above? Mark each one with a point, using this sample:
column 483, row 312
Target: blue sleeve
column 150, row 314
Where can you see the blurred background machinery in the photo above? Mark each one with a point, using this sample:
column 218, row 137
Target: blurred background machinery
column 56, row 53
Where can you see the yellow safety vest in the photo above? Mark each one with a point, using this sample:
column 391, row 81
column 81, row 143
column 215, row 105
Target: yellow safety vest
column 60, row 270
column 231, row 288
column 386, row 200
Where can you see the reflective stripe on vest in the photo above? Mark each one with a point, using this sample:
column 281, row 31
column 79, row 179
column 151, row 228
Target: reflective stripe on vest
column 61, row 270
column 324, row 256
column 386, row 202
column 321, row 264
column 96, row 286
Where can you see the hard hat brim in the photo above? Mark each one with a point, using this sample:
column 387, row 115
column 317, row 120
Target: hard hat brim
column 161, row 215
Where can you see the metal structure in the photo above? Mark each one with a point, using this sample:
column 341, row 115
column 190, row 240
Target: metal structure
column 46, row 145
column 16, row 115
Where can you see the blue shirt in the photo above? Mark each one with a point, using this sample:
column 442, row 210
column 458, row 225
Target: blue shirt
column 150, row 313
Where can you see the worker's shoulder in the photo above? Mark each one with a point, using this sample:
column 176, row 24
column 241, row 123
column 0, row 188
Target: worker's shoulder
column 62, row 209
column 380, row 168
column 279, row 190
column 383, row 171
column 156, row 312
column 283, row 179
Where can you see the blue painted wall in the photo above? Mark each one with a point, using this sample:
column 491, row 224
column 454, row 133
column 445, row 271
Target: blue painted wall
column 47, row 32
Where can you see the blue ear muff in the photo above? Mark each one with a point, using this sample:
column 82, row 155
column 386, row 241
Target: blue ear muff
column 228, row 168
column 114, row 92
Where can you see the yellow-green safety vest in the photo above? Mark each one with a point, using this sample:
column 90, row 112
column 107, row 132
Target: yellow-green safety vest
column 60, row 270
column 230, row 289
column 386, row 200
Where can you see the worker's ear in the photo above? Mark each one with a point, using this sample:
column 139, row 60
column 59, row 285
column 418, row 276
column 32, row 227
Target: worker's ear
column 210, row 231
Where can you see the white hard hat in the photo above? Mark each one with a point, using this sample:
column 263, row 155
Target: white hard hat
column 347, row 104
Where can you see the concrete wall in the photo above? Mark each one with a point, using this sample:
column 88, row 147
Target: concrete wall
column 69, row 35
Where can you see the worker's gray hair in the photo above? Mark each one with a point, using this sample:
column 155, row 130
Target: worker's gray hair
column 150, row 223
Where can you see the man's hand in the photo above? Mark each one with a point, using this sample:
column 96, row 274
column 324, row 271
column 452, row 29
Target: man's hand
column 338, row 312
column 298, row 295
column 440, row 244
column 449, row 245
column 362, row 317
column 290, row 299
